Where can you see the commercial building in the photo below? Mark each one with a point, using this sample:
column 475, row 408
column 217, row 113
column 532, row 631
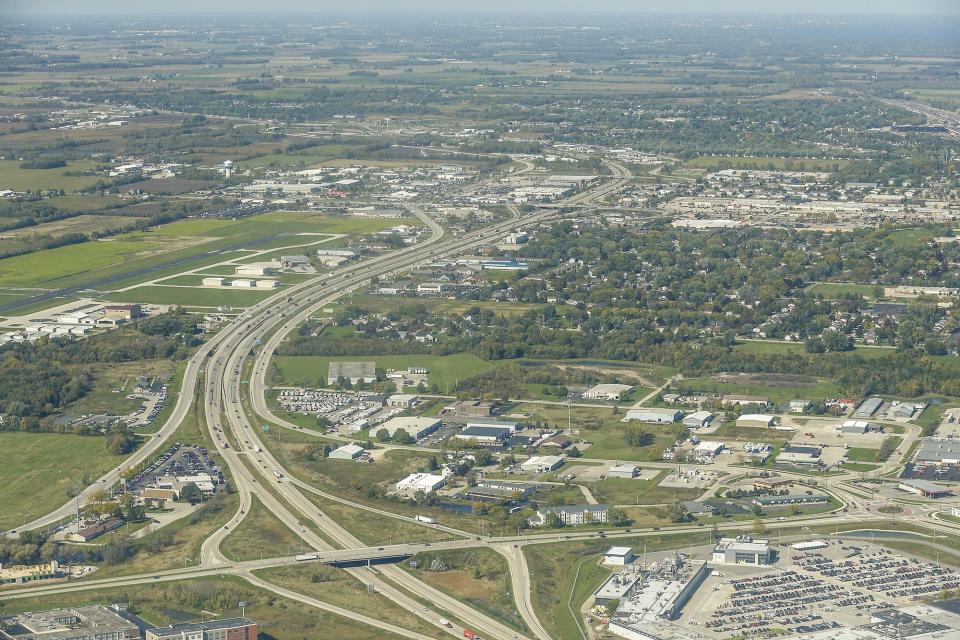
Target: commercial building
column 254, row 270
column 938, row 450
column 755, row 420
column 855, row 426
column 266, row 284
column 226, row 629
column 470, row 408
column 698, row 420
column 415, row 426
column 355, row 372
column 798, row 406
column 92, row 622
column 618, row 556
column 618, row 586
column 743, row 550
column 623, row 470
column 243, row 283
column 799, row 455
column 214, row 282
column 94, row 531
column 736, row 400
column 500, row 490
column 425, row 482
column 607, row 391
column 810, row 545
column 925, row 488
column 22, row 574
column 868, row 407
column 521, row 488
column 698, row 509
column 485, row 434
column 653, row 414
column 541, row 464
column 708, row 449
column 503, row 424
column 782, row 501
column 403, row 400
column 347, row 452
column 572, row 515
column 294, row 262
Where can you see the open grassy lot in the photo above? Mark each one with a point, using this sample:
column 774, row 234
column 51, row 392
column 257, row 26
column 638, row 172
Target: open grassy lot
column 40, row 468
column 444, row 370
column 193, row 296
column 337, row 587
column 769, row 346
column 439, row 306
column 836, row 289
column 183, row 601
column 625, row 491
column 260, row 535
column 479, row 577
column 13, row 177
column 776, row 389
column 861, row 454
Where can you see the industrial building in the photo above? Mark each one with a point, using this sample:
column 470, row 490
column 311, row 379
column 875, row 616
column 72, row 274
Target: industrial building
column 743, row 550
column 924, row 488
column 254, row 270
column 782, row 501
column 623, row 470
column 856, row 426
column 541, row 464
column 755, row 420
column 618, row 556
column 403, row 400
column 470, row 408
column 508, row 486
column 799, row 455
column 485, row 434
column 22, row 574
column 572, row 515
column 607, row 391
column 226, row 629
column 698, row 420
column 294, row 262
column 868, row 407
column 415, row 426
column 92, row 622
column 213, row 282
column 736, row 400
column 653, row 414
column 355, row 372
column 347, row 452
column 708, row 449
column 618, row 586
column 425, row 482
column 798, row 406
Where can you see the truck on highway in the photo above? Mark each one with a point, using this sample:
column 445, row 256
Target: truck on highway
column 257, row 448
column 425, row 519
column 277, row 473
column 304, row 557
column 224, row 445
column 445, row 623
column 467, row 633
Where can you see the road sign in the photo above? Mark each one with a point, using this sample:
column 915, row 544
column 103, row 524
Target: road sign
column 266, row 428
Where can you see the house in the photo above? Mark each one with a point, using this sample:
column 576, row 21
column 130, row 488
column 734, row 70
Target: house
column 347, row 452
column 755, row 420
column 572, row 515
column 653, row 415
column 607, row 391
column 541, row 464
column 698, row 419
column 623, row 470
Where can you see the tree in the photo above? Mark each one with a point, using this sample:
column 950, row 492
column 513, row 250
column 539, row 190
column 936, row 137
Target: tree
column 553, row 520
column 190, row 493
column 678, row 512
column 758, row 527
column 383, row 435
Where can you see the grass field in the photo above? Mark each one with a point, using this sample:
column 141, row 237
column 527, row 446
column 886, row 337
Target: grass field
column 764, row 162
column 478, row 577
column 861, row 454
column 193, row 296
column 337, row 587
column 812, row 389
column 13, row 177
column 43, row 467
column 624, row 491
column 444, row 370
column 182, row 601
column 769, row 346
column 836, row 289
column 260, row 535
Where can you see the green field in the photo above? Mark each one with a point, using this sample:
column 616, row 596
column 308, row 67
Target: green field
column 836, row 289
column 13, row 177
column 193, row 296
column 754, row 385
column 42, row 467
column 763, row 162
column 769, row 346
column 444, row 370
column 860, row 454
column 260, row 535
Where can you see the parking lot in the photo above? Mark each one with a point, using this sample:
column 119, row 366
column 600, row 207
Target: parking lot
column 178, row 460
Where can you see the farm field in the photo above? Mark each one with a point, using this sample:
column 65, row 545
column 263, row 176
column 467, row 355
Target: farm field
column 13, row 177
column 764, row 162
column 444, row 370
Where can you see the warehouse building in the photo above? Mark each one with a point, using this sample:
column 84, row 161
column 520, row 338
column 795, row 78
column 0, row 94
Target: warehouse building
column 91, row 622
column 347, row 452
column 618, row 556
column 294, row 262
column 226, row 629
column 607, row 391
column 355, row 372
column 755, row 420
column 425, row 482
column 856, row 426
column 925, row 488
column 698, row 420
column 736, row 400
column 254, row 270
column 868, row 407
column 213, row 282
column 619, row 586
column 415, row 426
column 799, row 455
column 485, row 434
column 541, row 464
column 653, row 415
column 743, row 550
column 783, row 501
column 623, row 470
column 403, row 400
column 522, row 488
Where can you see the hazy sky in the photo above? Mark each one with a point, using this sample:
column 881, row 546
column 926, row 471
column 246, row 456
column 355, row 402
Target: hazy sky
column 126, row 7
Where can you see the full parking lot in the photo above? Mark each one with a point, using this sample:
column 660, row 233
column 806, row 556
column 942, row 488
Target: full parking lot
column 178, row 460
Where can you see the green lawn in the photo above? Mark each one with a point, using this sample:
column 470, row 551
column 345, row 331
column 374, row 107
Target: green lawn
column 41, row 467
column 444, row 370
column 762, row 162
column 13, row 177
column 812, row 389
column 260, row 535
column 193, row 296
column 625, row 491
column 861, row 454
column 836, row 289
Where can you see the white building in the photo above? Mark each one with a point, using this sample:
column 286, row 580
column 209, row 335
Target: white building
column 623, row 470
column 709, row 448
column 618, row 556
column 347, row 452
column 541, row 464
column 213, row 282
column 607, row 391
column 254, row 270
column 403, row 400
column 653, row 414
column 743, row 550
column 243, row 283
column 425, row 482
column 755, row 420
column 266, row 284
column 698, row 419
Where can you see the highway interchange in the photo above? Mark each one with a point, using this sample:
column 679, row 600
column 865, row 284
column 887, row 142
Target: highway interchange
column 235, row 407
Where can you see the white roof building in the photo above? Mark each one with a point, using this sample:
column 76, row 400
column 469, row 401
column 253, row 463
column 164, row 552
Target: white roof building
column 346, row 452
column 653, row 414
column 425, row 482
column 541, row 464
column 607, row 391
column 618, row 556
column 415, row 426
